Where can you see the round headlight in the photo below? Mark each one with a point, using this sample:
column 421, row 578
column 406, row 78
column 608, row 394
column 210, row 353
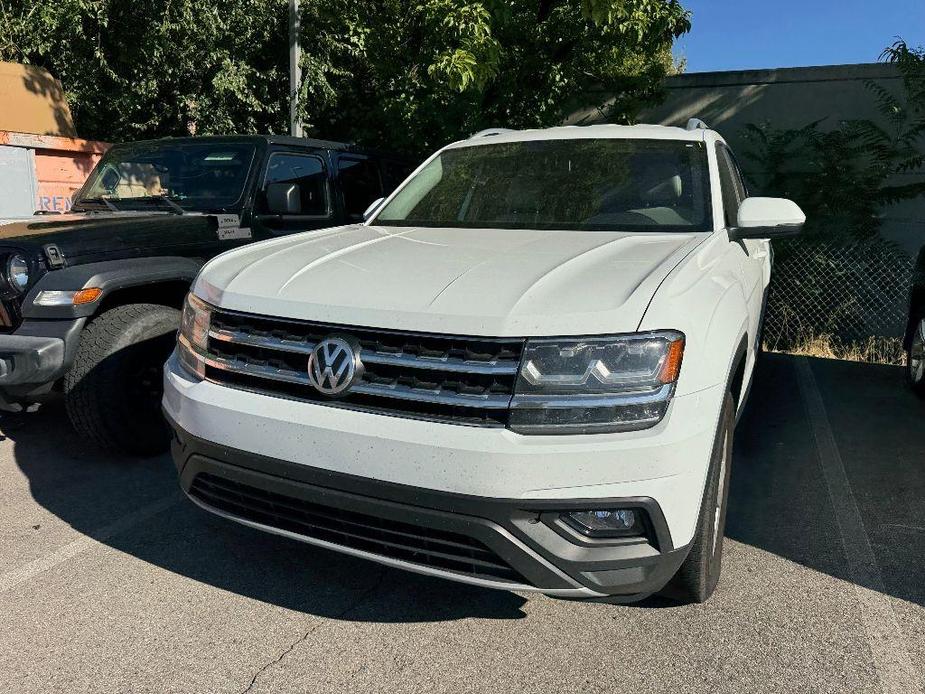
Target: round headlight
column 17, row 272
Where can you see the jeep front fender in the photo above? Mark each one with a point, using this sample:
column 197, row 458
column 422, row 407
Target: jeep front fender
column 109, row 276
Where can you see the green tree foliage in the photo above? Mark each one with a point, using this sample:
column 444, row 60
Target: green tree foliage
column 416, row 74
column 133, row 69
column 844, row 176
column 401, row 74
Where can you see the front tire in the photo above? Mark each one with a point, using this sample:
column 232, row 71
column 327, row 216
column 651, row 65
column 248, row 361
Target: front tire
column 113, row 390
column 915, row 359
column 699, row 575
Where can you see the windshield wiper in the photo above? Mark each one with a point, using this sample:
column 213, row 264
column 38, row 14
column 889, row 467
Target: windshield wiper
column 162, row 199
column 110, row 205
column 167, row 201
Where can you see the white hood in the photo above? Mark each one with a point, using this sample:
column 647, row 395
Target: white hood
column 489, row 282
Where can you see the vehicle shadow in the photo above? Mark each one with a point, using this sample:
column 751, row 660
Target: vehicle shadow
column 780, row 501
column 136, row 507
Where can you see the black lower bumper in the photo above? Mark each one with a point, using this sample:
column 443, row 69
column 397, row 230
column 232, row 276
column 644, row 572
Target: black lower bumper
column 37, row 354
column 504, row 543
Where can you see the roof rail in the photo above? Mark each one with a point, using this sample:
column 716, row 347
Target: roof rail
column 488, row 132
column 697, row 124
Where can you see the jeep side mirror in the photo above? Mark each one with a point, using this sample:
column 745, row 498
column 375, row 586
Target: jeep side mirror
column 372, row 208
column 767, row 218
column 283, row 198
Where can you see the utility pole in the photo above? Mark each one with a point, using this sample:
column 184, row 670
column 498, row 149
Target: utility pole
column 295, row 71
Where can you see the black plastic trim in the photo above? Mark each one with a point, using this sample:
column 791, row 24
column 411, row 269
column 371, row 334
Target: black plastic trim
column 780, row 231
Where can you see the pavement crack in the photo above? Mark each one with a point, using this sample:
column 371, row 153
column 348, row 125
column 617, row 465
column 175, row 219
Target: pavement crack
column 340, row 615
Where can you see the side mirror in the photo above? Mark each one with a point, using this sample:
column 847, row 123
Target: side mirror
column 372, row 208
column 283, row 198
column 767, row 218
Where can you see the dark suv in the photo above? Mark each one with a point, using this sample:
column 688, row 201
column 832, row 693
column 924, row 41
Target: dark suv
column 90, row 301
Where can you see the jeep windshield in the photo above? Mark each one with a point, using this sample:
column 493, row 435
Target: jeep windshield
column 602, row 184
column 168, row 176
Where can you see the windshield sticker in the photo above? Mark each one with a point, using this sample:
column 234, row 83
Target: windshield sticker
column 229, row 233
column 227, row 221
column 229, row 227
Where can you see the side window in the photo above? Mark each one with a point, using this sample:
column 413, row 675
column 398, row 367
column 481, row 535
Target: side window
column 308, row 173
column 360, row 184
column 729, row 186
column 737, row 174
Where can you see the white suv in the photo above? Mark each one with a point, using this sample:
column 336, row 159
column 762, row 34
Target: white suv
column 484, row 380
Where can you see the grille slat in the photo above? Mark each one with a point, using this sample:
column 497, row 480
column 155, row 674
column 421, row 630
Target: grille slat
column 377, row 354
column 420, row 545
column 463, row 380
column 222, row 493
column 267, row 341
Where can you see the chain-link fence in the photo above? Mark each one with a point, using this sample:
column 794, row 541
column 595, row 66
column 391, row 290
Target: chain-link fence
column 848, row 293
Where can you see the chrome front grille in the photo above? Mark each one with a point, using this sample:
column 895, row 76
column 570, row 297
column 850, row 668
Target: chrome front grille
column 460, row 379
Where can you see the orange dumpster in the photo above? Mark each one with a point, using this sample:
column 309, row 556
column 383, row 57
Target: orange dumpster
column 42, row 162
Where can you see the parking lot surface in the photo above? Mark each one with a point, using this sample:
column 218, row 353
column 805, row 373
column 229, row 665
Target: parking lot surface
column 111, row 581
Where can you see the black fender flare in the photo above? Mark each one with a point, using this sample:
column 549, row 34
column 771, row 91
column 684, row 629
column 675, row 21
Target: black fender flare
column 109, row 276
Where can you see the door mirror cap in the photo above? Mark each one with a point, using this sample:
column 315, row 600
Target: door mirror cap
column 767, row 218
column 283, row 198
column 372, row 208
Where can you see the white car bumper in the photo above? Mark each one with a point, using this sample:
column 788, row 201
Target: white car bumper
column 511, row 482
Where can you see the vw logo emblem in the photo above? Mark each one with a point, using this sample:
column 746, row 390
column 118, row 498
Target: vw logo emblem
column 333, row 365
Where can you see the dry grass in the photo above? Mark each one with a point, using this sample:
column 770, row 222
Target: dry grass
column 874, row 350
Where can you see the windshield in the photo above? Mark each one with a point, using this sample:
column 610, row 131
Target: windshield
column 579, row 184
column 202, row 176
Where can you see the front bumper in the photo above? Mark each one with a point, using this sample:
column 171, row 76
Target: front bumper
column 512, row 544
column 37, row 354
column 502, row 489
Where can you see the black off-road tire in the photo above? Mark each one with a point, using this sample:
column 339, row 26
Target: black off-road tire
column 113, row 390
column 699, row 574
column 915, row 358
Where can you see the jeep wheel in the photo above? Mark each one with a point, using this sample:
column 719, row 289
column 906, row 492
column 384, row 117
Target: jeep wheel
column 915, row 359
column 699, row 574
column 113, row 390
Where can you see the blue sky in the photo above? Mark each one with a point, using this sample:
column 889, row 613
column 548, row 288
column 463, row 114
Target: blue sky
column 739, row 34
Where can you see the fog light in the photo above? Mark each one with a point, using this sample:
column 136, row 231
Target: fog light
column 617, row 522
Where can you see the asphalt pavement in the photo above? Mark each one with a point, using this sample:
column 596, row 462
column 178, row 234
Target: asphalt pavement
column 110, row 581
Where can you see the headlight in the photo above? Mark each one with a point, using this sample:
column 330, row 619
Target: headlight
column 193, row 338
column 17, row 273
column 596, row 384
